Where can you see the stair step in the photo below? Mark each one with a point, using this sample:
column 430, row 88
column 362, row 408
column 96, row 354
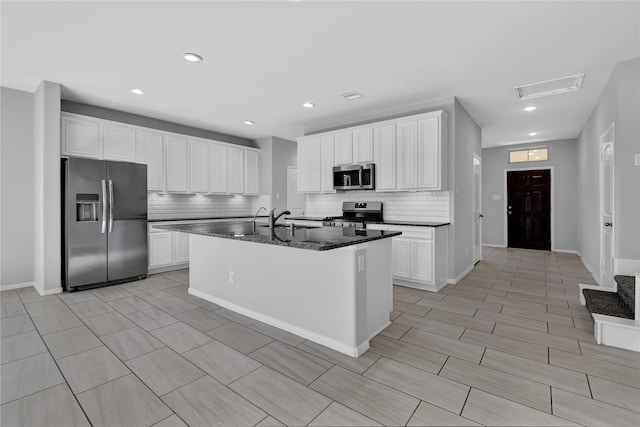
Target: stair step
column 627, row 289
column 607, row 303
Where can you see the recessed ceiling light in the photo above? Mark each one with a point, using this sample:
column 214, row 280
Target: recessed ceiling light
column 532, row 108
column 137, row 91
column 532, row 133
column 550, row 87
column 350, row 95
column 249, row 122
column 192, row 57
column 308, row 105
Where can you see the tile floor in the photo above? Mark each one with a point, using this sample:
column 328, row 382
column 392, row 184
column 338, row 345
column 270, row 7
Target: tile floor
column 509, row 345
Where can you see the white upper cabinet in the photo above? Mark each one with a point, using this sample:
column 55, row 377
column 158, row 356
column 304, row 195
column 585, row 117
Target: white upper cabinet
column 150, row 151
column 326, row 163
column 118, row 142
column 309, row 164
column 343, row 146
column 80, row 136
column 432, row 154
column 385, row 157
column 198, row 166
column 177, row 155
column 218, row 168
column 236, row 170
column 363, row 145
column 251, row 172
column 408, row 155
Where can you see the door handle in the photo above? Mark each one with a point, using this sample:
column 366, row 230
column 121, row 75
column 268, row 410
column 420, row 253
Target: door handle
column 509, row 213
column 481, row 216
column 104, row 206
column 110, row 206
column 608, row 224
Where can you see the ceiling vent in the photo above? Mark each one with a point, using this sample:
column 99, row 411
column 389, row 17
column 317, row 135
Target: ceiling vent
column 550, row 87
column 350, row 95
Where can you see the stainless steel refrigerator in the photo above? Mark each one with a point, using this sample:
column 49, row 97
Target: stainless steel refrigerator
column 104, row 222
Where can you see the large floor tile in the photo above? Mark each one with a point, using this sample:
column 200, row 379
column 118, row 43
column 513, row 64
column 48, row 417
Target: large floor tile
column 91, row 368
column 431, row 415
column 76, row 297
column 484, row 305
column 125, row 401
column 537, row 315
column 395, row 331
column 277, row 334
column 615, row 394
column 131, row 343
column 201, row 319
column 171, row 421
column 431, row 388
column 413, row 355
column 430, row 325
column 57, row 322
column 283, row 398
column 181, row 337
column 444, row 345
column 590, row 412
column 509, row 319
column 206, row 402
column 151, row 319
column 573, row 333
column 448, row 306
column 615, row 355
column 370, row 398
column 151, row 294
column 236, row 317
column 561, row 343
column 173, row 305
column 221, row 362
column 461, row 320
column 108, row 323
column 110, row 293
column 339, row 415
column 20, row 346
column 29, row 295
column 90, row 308
column 594, row 367
column 9, row 296
column 488, row 409
column 164, row 370
column 42, row 308
column 55, row 406
column 500, row 383
column 292, row 362
column 71, row 341
column 12, row 309
column 130, row 304
column 27, row 376
column 239, row 337
column 507, row 345
column 16, row 325
column 355, row 364
column 544, row 373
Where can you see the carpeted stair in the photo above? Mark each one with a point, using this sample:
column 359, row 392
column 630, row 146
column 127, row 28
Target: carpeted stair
column 619, row 304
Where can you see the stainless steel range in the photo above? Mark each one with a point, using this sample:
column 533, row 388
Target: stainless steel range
column 355, row 215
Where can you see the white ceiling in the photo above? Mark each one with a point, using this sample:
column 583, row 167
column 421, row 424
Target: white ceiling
column 263, row 59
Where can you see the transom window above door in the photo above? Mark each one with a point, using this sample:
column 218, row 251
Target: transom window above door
column 529, row 155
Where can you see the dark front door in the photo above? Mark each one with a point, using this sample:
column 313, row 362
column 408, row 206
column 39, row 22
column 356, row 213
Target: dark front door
column 529, row 209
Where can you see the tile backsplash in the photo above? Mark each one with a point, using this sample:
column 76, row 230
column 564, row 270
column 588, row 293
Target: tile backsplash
column 187, row 206
column 428, row 206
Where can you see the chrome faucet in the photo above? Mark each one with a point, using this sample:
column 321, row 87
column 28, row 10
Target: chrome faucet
column 272, row 221
column 255, row 216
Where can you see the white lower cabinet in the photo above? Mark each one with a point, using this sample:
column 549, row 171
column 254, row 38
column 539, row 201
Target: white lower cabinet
column 160, row 249
column 419, row 255
column 181, row 248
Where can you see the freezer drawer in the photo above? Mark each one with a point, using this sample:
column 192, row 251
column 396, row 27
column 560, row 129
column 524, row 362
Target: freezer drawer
column 127, row 249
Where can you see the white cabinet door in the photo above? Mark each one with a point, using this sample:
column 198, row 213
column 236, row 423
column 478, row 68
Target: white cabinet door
column 218, row 168
column 80, row 137
column 401, row 258
column 118, row 142
column 385, row 150
column 343, row 148
column 429, row 154
column 407, row 155
column 251, row 172
column 422, row 260
column 160, row 249
column 309, row 164
column 177, row 150
column 363, row 145
column 150, row 152
column 181, row 249
column 198, row 166
column 236, row 170
column 326, row 164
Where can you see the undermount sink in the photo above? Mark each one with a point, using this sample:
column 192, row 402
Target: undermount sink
column 297, row 227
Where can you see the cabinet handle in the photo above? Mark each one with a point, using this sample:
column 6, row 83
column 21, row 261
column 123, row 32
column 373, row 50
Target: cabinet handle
column 608, row 224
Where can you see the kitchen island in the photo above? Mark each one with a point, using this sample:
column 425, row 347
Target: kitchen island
column 329, row 285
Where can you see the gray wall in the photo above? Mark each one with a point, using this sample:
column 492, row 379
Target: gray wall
column 618, row 103
column 134, row 119
column 16, row 187
column 275, row 155
column 563, row 159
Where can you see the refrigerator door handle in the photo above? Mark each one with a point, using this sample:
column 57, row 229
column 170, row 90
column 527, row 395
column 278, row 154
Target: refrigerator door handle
column 110, row 206
column 104, row 206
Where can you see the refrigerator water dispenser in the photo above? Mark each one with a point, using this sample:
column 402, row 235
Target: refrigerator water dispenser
column 87, row 207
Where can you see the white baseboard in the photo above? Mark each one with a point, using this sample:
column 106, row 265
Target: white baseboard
column 591, row 270
column 421, row 286
column 45, row 292
column 168, row 268
column 17, row 286
column 460, row 276
column 626, row 267
column 567, row 251
column 494, row 246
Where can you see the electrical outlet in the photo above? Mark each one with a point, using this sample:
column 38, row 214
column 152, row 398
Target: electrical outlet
column 232, row 277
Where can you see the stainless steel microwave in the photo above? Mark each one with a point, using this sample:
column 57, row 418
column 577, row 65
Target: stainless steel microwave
column 354, row 177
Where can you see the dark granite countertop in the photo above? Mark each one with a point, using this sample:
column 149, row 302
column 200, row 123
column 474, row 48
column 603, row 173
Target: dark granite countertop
column 317, row 239
column 410, row 223
column 206, row 218
column 305, row 218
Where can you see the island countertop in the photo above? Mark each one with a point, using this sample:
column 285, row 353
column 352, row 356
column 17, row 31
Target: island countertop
column 317, row 239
